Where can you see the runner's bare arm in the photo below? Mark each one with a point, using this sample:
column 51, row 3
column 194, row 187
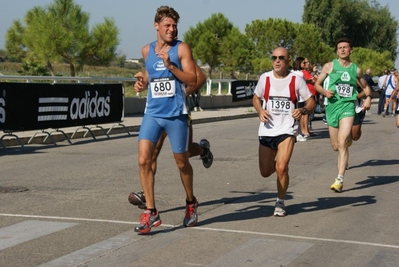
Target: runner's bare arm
column 320, row 79
column 201, row 79
column 142, row 78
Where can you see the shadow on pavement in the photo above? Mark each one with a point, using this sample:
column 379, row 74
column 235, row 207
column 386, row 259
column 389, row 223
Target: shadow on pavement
column 259, row 210
column 375, row 181
column 377, row 162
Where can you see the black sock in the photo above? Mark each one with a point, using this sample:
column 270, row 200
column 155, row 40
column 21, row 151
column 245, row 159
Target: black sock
column 191, row 202
column 153, row 211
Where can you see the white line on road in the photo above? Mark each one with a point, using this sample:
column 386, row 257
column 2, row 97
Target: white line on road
column 210, row 229
column 28, row 230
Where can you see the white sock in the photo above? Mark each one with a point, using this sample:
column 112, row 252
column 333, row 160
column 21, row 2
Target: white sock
column 340, row 177
column 280, row 200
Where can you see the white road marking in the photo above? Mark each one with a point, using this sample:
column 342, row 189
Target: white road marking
column 211, row 229
column 28, row 230
column 94, row 251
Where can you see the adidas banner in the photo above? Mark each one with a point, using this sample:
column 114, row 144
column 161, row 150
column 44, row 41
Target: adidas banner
column 37, row 106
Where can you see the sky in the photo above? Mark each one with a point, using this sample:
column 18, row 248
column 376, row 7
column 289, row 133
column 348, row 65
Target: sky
column 135, row 18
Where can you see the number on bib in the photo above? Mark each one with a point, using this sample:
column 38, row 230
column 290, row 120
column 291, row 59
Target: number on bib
column 163, row 87
column 344, row 90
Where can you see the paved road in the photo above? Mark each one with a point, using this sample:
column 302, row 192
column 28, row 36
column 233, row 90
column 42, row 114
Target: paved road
column 76, row 213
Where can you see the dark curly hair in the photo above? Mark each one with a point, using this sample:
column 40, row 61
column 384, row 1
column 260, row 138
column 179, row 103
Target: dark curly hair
column 166, row 12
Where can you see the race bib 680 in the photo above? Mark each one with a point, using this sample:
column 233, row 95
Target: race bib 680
column 163, row 87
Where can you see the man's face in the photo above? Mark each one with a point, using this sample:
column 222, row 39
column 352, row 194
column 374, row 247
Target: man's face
column 166, row 29
column 344, row 50
column 280, row 60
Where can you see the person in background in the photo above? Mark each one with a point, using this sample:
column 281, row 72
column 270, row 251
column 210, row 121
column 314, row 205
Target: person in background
column 391, row 84
column 297, row 69
column 274, row 99
column 382, row 81
column 196, row 97
column 394, row 95
column 395, row 92
column 306, row 120
column 369, row 79
column 356, row 131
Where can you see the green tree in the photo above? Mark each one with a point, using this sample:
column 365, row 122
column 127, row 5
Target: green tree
column 366, row 23
column 308, row 43
column 59, row 32
column 206, row 39
column 3, row 55
column 261, row 65
column 33, row 69
column 14, row 41
column 236, row 53
column 266, row 35
column 367, row 58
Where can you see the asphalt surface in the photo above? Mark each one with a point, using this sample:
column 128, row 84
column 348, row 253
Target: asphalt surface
column 74, row 211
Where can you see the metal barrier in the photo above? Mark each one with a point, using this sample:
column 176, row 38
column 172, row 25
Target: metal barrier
column 91, row 80
column 57, row 79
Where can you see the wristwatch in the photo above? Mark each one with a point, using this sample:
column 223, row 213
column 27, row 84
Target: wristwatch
column 304, row 111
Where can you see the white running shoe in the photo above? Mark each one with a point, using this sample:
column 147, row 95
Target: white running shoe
column 301, row 138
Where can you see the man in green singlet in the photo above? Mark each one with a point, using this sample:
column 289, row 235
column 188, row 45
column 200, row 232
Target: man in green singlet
column 341, row 92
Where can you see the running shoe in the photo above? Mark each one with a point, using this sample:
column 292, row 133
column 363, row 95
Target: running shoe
column 301, row 138
column 191, row 217
column 279, row 209
column 147, row 221
column 137, row 199
column 337, row 185
column 207, row 157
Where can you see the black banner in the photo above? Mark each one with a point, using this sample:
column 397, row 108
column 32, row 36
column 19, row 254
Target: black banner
column 37, row 106
column 243, row 89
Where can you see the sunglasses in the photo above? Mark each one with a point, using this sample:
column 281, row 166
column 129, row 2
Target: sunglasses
column 277, row 57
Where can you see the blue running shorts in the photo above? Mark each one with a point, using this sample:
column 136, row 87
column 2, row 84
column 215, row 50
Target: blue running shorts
column 176, row 128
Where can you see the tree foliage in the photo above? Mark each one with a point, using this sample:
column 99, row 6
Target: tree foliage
column 266, row 35
column 59, row 32
column 236, row 53
column 366, row 23
column 367, row 58
column 308, row 43
column 14, row 41
column 206, row 39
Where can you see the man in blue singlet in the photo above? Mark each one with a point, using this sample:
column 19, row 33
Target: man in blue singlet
column 169, row 66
